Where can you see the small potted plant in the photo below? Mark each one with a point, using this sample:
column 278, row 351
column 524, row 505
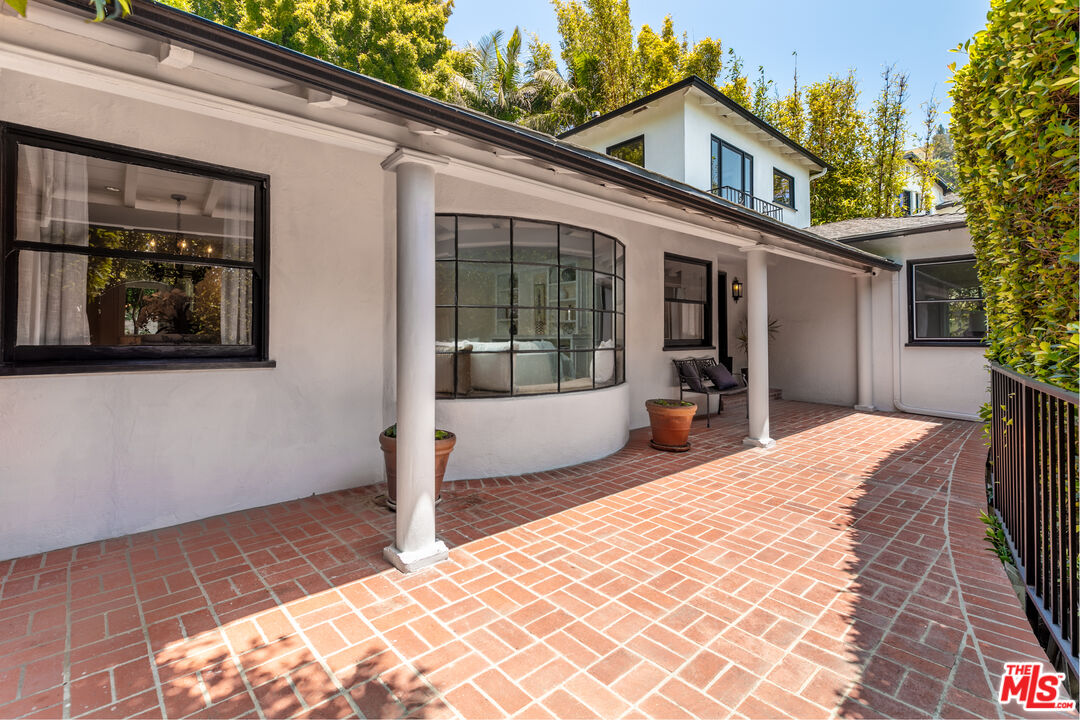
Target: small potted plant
column 444, row 444
column 670, row 422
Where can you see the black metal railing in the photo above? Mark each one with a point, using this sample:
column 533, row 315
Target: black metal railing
column 741, row 197
column 1033, row 450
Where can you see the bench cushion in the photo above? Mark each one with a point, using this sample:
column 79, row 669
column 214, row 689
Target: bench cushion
column 720, row 377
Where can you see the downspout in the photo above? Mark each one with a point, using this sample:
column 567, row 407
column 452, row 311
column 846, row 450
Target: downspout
column 898, row 344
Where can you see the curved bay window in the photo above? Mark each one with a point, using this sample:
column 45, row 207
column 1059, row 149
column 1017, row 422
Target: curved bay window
column 526, row 307
column 114, row 255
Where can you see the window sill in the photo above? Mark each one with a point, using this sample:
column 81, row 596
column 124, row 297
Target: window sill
column 945, row 343
column 62, row 368
column 691, row 348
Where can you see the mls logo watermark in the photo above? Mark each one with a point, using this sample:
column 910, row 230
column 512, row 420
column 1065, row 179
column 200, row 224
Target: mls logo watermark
column 1027, row 684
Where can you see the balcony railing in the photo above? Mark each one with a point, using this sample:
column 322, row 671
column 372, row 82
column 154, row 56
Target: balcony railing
column 1034, row 455
column 741, row 197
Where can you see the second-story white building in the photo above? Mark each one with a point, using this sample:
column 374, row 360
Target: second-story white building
column 693, row 133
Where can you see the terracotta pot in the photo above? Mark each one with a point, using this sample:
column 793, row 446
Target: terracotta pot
column 442, row 454
column 670, row 424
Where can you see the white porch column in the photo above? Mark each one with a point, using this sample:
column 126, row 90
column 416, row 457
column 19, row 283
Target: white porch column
column 864, row 348
column 415, row 545
column 757, row 346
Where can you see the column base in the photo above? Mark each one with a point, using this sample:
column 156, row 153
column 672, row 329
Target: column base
column 410, row 562
column 759, row 443
column 865, row 408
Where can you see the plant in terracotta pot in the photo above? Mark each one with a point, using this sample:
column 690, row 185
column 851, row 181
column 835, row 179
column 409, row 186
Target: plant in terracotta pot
column 670, row 422
column 444, row 444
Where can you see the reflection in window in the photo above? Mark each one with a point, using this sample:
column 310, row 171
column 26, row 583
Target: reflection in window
column 687, row 302
column 130, row 260
column 783, row 189
column 632, row 151
column 526, row 307
column 947, row 301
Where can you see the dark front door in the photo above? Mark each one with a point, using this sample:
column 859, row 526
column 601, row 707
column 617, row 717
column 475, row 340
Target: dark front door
column 723, row 295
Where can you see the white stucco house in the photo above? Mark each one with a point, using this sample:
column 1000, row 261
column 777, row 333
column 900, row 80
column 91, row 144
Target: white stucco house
column 225, row 267
column 911, row 197
column 693, row 133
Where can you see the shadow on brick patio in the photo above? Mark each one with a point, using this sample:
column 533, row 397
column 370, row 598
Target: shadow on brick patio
column 843, row 571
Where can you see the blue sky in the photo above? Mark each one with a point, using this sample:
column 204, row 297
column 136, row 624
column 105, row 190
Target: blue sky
column 829, row 35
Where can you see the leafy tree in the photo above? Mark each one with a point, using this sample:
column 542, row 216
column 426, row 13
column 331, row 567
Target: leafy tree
column 660, row 60
column 493, row 77
column 400, row 41
column 761, row 105
column 704, row 59
column 598, row 49
column 925, row 162
column 837, row 133
column 1015, row 123
column 737, row 86
column 493, row 82
column 945, row 155
column 888, row 132
column 101, row 8
column 787, row 112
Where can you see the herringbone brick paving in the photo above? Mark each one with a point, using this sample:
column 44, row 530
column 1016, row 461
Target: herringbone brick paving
column 840, row 574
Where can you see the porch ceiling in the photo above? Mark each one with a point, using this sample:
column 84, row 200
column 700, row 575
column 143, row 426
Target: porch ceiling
column 841, row 573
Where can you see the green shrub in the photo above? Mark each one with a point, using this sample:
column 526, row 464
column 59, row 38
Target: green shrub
column 1014, row 122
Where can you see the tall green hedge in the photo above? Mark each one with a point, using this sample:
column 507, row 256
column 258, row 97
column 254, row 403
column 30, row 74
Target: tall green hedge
column 1014, row 121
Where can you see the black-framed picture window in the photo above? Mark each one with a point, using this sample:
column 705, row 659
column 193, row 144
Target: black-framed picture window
column 632, row 150
column 112, row 254
column 732, row 172
column 687, row 302
column 783, row 189
column 945, row 301
column 526, row 307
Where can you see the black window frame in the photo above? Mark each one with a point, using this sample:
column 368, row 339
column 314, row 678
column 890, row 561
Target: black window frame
column 619, row 340
column 45, row 359
column 905, row 201
column 913, row 340
column 625, row 143
column 791, row 181
column 707, row 340
column 719, row 144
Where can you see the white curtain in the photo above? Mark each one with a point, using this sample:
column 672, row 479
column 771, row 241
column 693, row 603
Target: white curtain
column 52, row 208
column 236, row 289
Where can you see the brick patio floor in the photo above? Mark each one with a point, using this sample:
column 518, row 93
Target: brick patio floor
column 841, row 574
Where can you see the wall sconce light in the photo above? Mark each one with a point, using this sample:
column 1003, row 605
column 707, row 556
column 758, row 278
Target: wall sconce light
column 736, row 289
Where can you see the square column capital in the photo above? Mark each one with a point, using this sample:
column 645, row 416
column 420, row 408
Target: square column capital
column 406, row 156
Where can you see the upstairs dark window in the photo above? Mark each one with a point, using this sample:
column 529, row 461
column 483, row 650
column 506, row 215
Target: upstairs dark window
column 112, row 254
column 946, row 302
column 687, row 302
column 783, row 189
column 632, row 151
column 732, row 173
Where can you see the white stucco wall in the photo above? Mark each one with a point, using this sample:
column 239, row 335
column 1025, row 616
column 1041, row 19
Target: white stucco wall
column 84, row 457
column 921, row 378
column 661, row 124
column 678, row 143
column 812, row 357
column 702, row 123
column 92, row 456
column 512, row 436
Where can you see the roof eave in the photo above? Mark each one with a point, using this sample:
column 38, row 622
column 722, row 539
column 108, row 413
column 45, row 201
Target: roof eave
column 166, row 22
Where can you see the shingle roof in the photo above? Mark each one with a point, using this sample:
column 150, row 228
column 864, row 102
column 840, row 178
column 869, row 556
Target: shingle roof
column 868, row 228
